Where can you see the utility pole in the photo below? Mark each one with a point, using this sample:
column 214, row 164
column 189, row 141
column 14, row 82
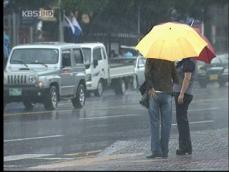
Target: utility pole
column 14, row 29
column 61, row 35
column 139, row 19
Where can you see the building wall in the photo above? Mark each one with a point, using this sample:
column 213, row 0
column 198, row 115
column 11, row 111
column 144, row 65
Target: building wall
column 218, row 27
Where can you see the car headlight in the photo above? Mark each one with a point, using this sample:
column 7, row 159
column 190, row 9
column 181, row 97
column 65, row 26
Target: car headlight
column 225, row 71
column 40, row 84
column 202, row 72
column 88, row 77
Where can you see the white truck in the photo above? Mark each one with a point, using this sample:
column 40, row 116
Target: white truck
column 101, row 71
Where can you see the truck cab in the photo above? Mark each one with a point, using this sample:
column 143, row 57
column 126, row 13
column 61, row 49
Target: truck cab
column 96, row 64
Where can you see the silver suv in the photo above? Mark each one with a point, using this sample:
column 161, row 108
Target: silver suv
column 45, row 73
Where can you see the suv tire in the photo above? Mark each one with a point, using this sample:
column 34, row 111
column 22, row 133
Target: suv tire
column 51, row 99
column 79, row 100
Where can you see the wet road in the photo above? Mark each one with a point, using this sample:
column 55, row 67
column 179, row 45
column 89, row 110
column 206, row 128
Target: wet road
column 39, row 136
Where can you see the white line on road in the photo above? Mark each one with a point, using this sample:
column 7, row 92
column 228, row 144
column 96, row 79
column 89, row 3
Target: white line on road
column 33, row 138
column 198, row 122
column 203, row 109
column 55, row 136
column 71, row 110
column 24, row 156
column 194, row 101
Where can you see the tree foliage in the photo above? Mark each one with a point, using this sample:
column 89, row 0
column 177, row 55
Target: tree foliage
column 122, row 15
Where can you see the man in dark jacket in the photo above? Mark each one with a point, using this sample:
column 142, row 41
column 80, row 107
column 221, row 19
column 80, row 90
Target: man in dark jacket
column 160, row 75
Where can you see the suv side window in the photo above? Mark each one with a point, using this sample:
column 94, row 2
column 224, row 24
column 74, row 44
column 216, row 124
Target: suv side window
column 77, row 56
column 97, row 54
column 66, row 58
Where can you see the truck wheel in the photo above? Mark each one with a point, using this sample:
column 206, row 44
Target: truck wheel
column 222, row 83
column 79, row 100
column 99, row 90
column 28, row 105
column 203, row 84
column 135, row 82
column 120, row 87
column 51, row 99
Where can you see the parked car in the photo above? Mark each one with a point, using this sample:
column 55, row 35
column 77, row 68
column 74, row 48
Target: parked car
column 45, row 73
column 217, row 71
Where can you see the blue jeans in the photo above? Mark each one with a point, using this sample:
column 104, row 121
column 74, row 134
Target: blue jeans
column 160, row 110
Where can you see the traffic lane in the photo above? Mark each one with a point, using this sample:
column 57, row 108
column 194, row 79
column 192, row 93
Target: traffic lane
column 119, row 105
column 92, row 136
column 209, row 96
column 109, row 104
column 110, row 100
column 75, row 123
column 68, row 131
column 69, row 135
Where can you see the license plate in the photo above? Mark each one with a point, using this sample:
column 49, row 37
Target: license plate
column 213, row 77
column 15, row 92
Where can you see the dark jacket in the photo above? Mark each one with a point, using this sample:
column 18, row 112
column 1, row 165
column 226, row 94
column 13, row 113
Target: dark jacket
column 160, row 74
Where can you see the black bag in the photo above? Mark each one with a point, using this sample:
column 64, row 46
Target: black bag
column 145, row 99
column 143, row 88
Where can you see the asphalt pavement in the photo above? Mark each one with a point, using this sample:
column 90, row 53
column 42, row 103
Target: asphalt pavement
column 112, row 132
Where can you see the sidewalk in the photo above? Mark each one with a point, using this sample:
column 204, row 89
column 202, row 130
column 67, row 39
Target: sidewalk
column 210, row 152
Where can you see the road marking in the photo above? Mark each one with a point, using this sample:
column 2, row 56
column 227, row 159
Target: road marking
column 53, row 158
column 33, row 138
column 198, row 122
column 203, row 109
column 55, row 136
column 71, row 110
column 111, row 116
column 83, row 153
column 23, row 156
column 210, row 100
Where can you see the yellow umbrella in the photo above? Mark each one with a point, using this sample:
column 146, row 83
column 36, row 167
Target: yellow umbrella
column 171, row 41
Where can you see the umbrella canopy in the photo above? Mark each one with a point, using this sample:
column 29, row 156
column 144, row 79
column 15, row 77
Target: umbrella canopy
column 208, row 53
column 171, row 41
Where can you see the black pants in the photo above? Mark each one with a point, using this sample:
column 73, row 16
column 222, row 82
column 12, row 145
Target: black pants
column 182, row 123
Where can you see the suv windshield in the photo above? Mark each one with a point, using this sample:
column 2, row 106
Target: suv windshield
column 87, row 56
column 34, row 56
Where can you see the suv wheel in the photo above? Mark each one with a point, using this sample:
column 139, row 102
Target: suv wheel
column 28, row 105
column 99, row 90
column 51, row 99
column 79, row 100
column 120, row 87
column 222, row 83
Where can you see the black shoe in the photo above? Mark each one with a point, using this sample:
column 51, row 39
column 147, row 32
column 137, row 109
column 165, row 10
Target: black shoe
column 153, row 156
column 183, row 152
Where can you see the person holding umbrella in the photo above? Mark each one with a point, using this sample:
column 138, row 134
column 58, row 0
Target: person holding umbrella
column 183, row 97
column 162, row 46
column 159, row 75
